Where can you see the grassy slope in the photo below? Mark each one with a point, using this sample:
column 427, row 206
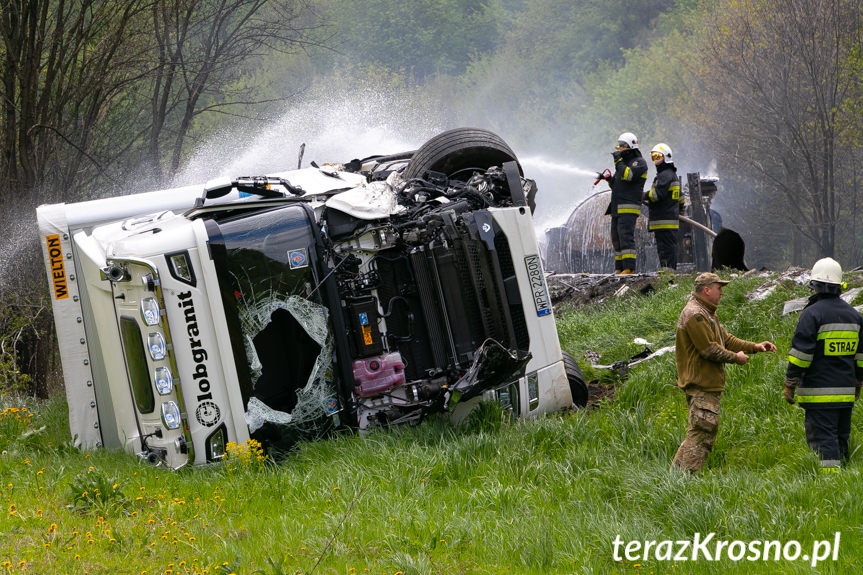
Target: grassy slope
column 543, row 496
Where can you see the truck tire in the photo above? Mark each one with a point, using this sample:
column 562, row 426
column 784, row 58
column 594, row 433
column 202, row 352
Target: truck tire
column 577, row 387
column 460, row 150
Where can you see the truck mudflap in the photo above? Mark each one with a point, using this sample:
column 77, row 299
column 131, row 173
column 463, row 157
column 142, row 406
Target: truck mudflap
column 493, row 365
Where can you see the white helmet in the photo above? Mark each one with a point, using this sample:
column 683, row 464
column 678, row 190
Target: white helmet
column 661, row 152
column 629, row 139
column 828, row 271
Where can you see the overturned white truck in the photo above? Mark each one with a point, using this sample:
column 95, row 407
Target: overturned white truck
column 280, row 307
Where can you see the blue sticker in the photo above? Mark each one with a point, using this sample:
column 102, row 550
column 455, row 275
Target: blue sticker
column 245, row 195
column 364, row 319
column 298, row 258
column 332, row 405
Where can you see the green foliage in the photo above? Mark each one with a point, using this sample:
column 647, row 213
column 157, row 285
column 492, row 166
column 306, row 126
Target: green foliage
column 11, row 378
column 487, row 417
column 95, row 490
column 419, row 39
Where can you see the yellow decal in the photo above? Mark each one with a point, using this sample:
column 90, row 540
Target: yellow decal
column 840, row 346
column 58, row 271
column 367, row 335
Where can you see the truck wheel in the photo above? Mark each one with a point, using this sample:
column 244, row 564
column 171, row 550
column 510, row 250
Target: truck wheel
column 460, row 150
column 577, row 387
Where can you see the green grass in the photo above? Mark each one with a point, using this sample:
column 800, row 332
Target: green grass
column 539, row 496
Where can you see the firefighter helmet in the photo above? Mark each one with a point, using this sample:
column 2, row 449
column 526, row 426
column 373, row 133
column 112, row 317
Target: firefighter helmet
column 628, row 139
column 828, row 271
column 661, row 152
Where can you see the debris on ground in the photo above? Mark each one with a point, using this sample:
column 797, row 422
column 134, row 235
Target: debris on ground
column 798, row 304
column 584, row 288
column 646, row 354
column 796, row 275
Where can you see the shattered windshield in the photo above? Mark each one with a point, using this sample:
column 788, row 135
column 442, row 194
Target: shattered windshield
column 278, row 326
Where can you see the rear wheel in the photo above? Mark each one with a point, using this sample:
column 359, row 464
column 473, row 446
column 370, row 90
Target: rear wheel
column 459, row 152
column 577, row 386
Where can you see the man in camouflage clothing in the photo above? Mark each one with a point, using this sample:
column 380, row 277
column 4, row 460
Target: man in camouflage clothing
column 703, row 347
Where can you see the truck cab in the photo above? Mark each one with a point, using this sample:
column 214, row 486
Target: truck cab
column 280, row 307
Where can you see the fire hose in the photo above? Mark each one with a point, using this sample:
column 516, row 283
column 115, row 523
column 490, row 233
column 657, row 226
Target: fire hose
column 701, row 227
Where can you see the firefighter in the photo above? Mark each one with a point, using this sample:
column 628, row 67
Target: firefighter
column 825, row 367
column 627, row 185
column 665, row 203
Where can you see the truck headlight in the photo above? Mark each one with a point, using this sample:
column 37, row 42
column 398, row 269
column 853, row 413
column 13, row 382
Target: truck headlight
column 150, row 311
column 181, row 268
column 164, row 380
column 156, row 345
column 216, row 443
column 171, row 415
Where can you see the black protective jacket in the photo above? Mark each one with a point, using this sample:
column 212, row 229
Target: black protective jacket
column 664, row 199
column 627, row 183
column 824, row 353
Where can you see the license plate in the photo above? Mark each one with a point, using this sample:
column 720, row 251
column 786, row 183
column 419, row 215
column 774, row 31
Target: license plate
column 537, row 285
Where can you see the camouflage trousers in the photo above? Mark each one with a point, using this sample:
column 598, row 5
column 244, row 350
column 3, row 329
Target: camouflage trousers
column 701, row 433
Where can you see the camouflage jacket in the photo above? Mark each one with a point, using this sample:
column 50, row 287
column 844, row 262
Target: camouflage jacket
column 703, row 347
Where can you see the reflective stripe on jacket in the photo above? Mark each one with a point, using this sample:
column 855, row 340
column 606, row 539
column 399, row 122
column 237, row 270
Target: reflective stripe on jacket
column 664, row 199
column 825, row 353
column 627, row 184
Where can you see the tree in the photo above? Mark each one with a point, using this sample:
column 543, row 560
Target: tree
column 780, row 81
column 200, row 48
column 64, row 64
